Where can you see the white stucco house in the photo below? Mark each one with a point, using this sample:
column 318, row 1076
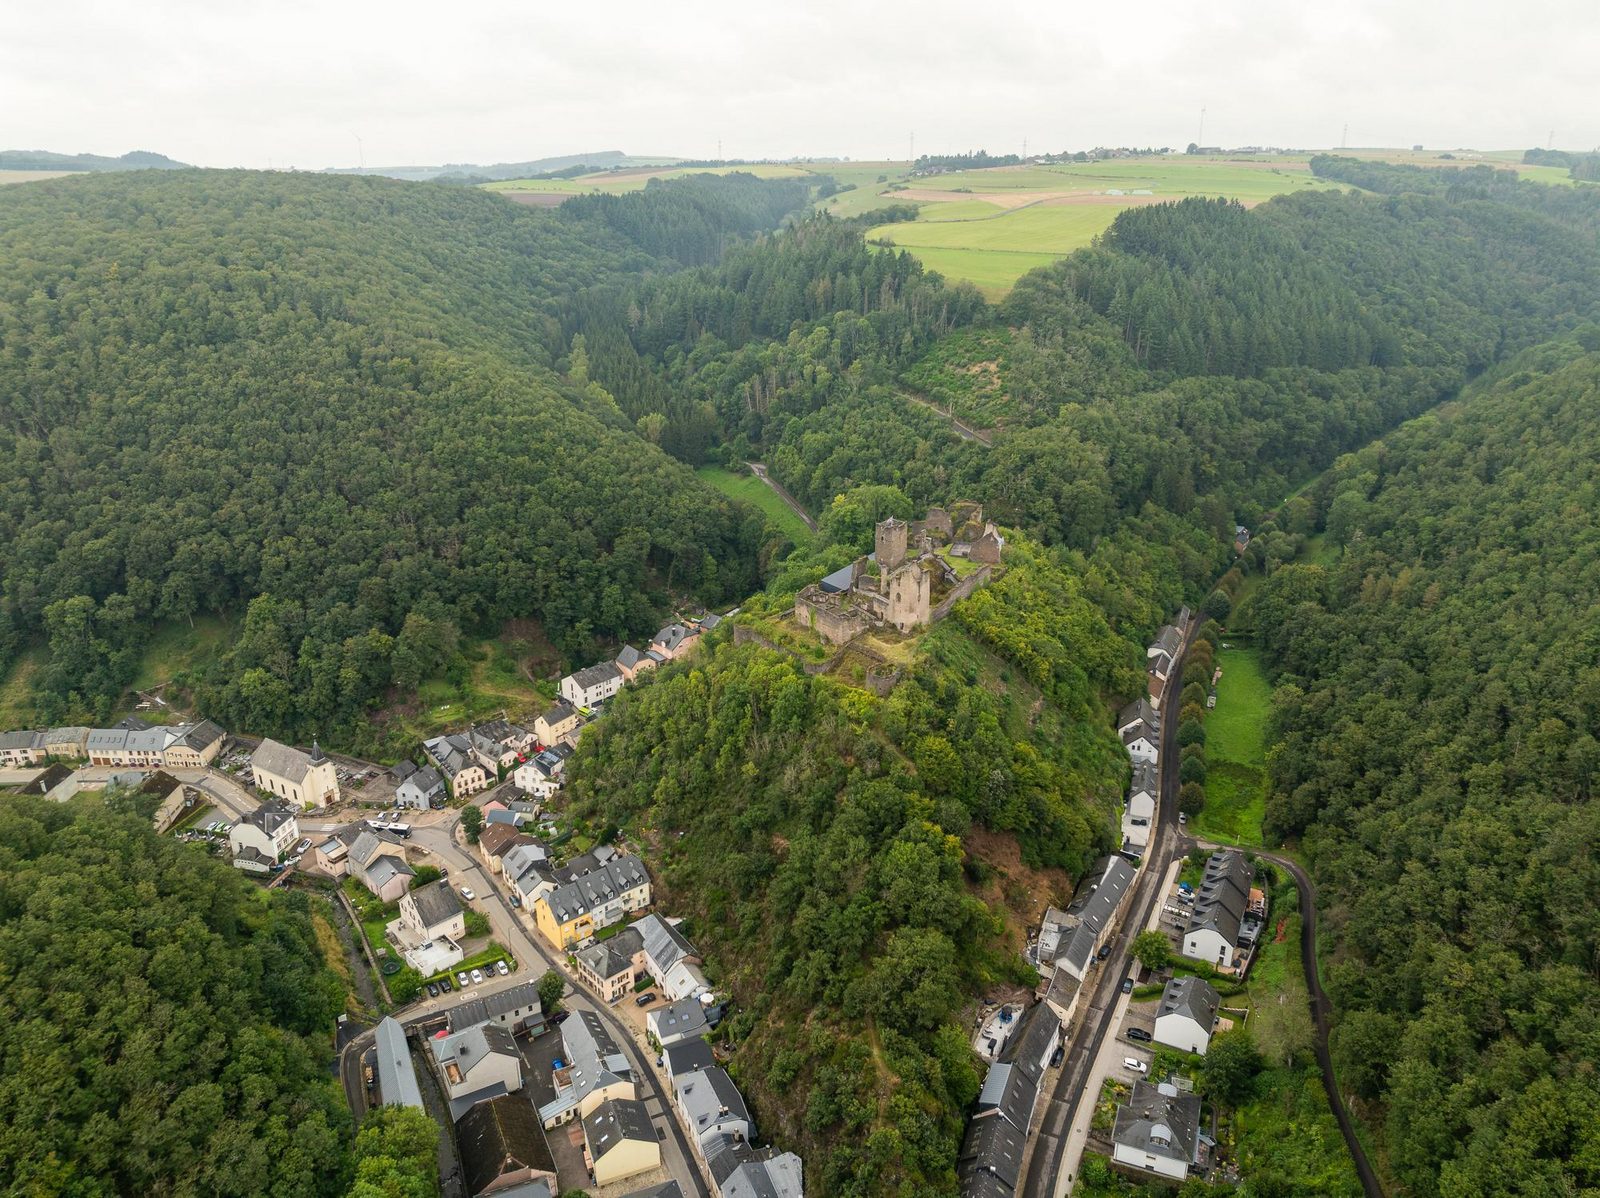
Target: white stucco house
column 1187, row 1014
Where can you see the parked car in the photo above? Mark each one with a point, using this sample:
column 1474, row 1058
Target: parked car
column 644, row 1000
column 477, row 977
column 1135, row 1065
column 302, row 846
column 1057, row 1055
column 1138, row 1033
column 466, row 893
column 1127, row 985
column 444, row 985
column 1105, row 951
column 1182, row 818
column 502, row 968
column 462, row 980
column 516, row 901
column 433, row 991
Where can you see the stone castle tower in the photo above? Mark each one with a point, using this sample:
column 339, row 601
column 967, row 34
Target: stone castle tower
column 891, row 546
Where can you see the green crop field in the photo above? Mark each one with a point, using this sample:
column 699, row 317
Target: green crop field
column 992, row 226
column 749, row 489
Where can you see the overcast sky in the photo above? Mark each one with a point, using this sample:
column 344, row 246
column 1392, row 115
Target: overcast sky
column 298, row 82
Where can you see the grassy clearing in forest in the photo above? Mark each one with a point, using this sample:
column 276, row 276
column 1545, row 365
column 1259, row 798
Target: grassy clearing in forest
column 747, row 488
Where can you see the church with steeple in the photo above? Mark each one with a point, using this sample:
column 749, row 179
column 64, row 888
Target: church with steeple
column 304, row 779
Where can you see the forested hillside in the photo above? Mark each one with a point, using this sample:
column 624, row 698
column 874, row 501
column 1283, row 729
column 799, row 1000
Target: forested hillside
column 1436, row 722
column 822, row 842
column 343, row 410
column 163, row 1023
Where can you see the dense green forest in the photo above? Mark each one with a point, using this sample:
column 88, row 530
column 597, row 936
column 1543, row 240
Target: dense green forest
column 1436, row 721
column 342, row 409
column 164, row 1024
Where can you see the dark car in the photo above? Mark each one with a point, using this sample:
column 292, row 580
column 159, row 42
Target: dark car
column 560, row 1017
column 1127, row 985
column 444, row 986
column 1138, row 1033
column 433, row 991
column 1105, row 951
column 644, row 1000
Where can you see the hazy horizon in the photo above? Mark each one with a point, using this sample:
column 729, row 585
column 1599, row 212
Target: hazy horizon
column 396, row 86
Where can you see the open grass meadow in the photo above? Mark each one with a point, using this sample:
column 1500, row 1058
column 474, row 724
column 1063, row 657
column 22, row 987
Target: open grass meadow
column 628, row 179
column 1236, row 750
column 747, row 488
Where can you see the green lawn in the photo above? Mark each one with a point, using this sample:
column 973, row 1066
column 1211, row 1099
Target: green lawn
column 747, row 488
column 16, row 692
column 1236, row 730
column 1236, row 803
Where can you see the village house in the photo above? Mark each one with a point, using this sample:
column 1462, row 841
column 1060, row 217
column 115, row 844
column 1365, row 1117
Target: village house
column 1143, row 743
column 175, row 746
column 607, row 966
column 1139, row 712
column 421, row 789
column 1009, row 1095
column 433, row 912
column 595, row 1070
column 674, row 641
column 1220, row 905
column 556, row 725
column 516, row 1009
column 19, row 749
column 667, row 1189
column 476, row 1064
column 541, row 774
column 592, row 892
column 712, row 1105
column 740, row 1171
column 1069, row 939
column 669, row 958
column 503, row 1150
column 528, row 872
column 633, row 662
column 304, row 779
column 332, row 856
column 495, row 839
column 498, row 744
column 378, row 862
column 677, row 1021
column 592, row 685
column 1162, row 655
column 1140, row 813
column 1187, row 1014
column 271, row 830
column 620, row 1141
column 452, row 757
column 1158, row 1131
column 686, row 1057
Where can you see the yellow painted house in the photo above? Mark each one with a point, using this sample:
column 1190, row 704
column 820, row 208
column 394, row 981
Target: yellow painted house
column 595, row 891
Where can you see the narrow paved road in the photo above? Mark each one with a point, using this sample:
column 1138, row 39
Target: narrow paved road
column 760, row 471
column 1050, row 1170
column 963, row 430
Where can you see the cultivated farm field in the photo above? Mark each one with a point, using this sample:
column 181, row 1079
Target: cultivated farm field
column 628, row 179
column 31, row 176
column 992, row 226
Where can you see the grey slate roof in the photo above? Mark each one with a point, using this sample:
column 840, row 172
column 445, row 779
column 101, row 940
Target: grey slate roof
column 522, row 997
column 670, row 637
column 629, row 657
column 597, row 887
column 1141, row 730
column 1146, row 779
column 667, row 1189
column 387, row 868
column 686, row 1017
column 687, row 1056
column 767, row 1175
column 281, row 761
column 977, row 1184
column 18, row 740
column 436, row 903
column 1160, row 1121
column 1191, row 996
column 1139, row 709
column 427, row 782
column 560, row 712
column 1168, row 640
column 615, row 1121
column 1089, row 914
column 451, row 754
column 402, row 770
column 595, row 675
column 663, row 943
column 607, row 958
column 1031, row 1044
column 1223, row 895
column 593, row 1056
column 992, row 1147
column 709, row 1095
column 269, row 817
column 397, row 1075
column 200, row 736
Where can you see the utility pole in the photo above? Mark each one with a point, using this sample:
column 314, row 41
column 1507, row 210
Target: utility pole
column 1344, row 138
